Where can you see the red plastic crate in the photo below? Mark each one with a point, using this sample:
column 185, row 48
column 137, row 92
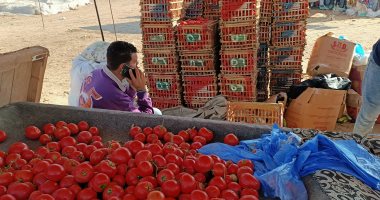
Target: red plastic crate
column 286, row 58
column 239, row 10
column 196, row 103
column 197, row 63
column 266, row 9
column 238, row 88
column 164, row 86
column 193, row 8
column 162, row 103
column 211, row 9
column 161, row 62
column 287, row 34
column 239, row 36
column 264, row 31
column 200, row 86
column 238, row 62
column 158, row 37
column 290, row 10
column 281, row 80
column 161, row 10
column 196, row 35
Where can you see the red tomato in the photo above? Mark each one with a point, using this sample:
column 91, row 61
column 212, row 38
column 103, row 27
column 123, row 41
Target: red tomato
column 249, row 192
column 135, row 146
column 142, row 156
column 94, row 131
column 23, row 176
column 78, row 156
column 40, row 166
column 67, row 141
column 87, row 151
column 196, row 145
column 122, row 169
column 145, row 168
column 75, row 189
column 97, row 156
column 3, row 136
column 83, row 126
column 98, row 144
column 148, row 131
column 140, row 137
column 99, row 182
column 155, row 195
column 184, row 197
column 192, row 132
column 3, row 190
column 34, row 195
column 6, row 178
column 160, row 131
column 113, row 192
column 229, row 194
column 185, row 135
column 74, row 129
column 207, row 134
column 248, row 197
column 83, row 173
column 171, row 158
column 150, row 179
column 87, row 194
column 7, row 197
column 200, row 139
column 129, row 197
column 67, row 181
column 63, row 194
column 159, row 161
column 243, row 163
column 185, row 146
column 219, row 169
column 119, row 179
column 60, row 124
column 198, row 195
column 44, row 139
column 27, row 154
column 218, row 182
column 134, row 131
column 80, row 146
column 84, row 137
column 231, row 139
column 168, row 137
column 173, row 167
column 234, row 187
column 130, row 189
column 151, row 138
column 189, row 165
column 248, row 181
column 204, row 164
column 171, row 188
column 62, row 132
column 200, row 177
column 187, row 183
column 67, row 151
column 120, row 156
column 32, row 132
column 178, row 139
column 45, row 197
column 55, row 172
column 54, row 156
column 132, row 176
column 142, row 190
column 48, row 187
column 107, row 167
column 212, row 191
column 49, row 129
column 165, row 175
column 17, row 147
column 97, row 138
column 70, row 165
column 232, row 169
column 244, row 169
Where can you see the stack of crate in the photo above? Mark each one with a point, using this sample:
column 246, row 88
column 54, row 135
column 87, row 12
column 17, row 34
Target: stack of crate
column 211, row 9
column 197, row 49
column 288, row 40
column 161, row 62
column 239, row 48
column 193, row 8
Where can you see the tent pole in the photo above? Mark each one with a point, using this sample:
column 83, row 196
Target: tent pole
column 100, row 24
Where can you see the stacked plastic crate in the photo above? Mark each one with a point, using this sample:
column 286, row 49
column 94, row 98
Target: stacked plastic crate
column 211, row 9
column 288, row 40
column 193, row 8
column 161, row 62
column 239, row 45
column 197, row 49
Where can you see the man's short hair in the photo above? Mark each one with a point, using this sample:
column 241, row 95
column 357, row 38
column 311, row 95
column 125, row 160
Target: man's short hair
column 119, row 52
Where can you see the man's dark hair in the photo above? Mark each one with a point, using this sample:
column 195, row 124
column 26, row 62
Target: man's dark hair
column 119, row 52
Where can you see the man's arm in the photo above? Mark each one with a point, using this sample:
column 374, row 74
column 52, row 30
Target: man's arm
column 144, row 102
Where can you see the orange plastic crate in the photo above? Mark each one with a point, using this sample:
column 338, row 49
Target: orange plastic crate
column 238, row 88
column 198, row 63
column 211, row 9
column 239, row 36
column 238, row 62
column 239, row 10
column 286, row 58
column 158, row 37
column 282, row 80
column 290, row 10
column 161, row 62
column 164, row 86
column 264, row 31
column 161, row 11
column 287, row 34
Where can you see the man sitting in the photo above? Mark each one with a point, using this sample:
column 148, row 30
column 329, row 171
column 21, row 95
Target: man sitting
column 108, row 88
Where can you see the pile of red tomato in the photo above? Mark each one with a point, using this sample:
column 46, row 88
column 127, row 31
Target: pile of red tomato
column 74, row 163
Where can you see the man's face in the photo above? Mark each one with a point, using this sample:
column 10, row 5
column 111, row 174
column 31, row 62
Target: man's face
column 133, row 63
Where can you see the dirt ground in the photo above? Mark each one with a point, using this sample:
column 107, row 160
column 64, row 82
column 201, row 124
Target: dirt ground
column 67, row 34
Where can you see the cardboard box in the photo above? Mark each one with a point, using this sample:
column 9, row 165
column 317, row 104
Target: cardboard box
column 316, row 109
column 331, row 55
column 354, row 102
column 357, row 77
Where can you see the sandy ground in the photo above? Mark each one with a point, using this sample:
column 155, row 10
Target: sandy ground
column 67, row 34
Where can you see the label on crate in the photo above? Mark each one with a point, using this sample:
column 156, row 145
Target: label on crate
column 196, row 63
column 162, row 85
column 288, row 34
column 285, row 58
column 155, row 8
column 236, row 87
column 193, row 37
column 291, row 6
column 239, row 38
column 238, row 62
column 157, row 38
column 159, row 61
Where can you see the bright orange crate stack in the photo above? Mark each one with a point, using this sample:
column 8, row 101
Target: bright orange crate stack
column 197, row 49
column 239, row 44
column 159, row 19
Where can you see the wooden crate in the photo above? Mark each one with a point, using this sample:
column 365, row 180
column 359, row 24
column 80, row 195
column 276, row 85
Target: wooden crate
column 21, row 75
column 256, row 113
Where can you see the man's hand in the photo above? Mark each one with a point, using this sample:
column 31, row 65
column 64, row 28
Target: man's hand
column 138, row 82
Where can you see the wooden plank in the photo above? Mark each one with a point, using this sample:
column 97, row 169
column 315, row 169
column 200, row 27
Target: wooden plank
column 6, row 84
column 36, row 80
column 21, row 82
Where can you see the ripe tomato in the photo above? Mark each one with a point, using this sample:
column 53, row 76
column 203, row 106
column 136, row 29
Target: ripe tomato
column 32, row 132
column 134, row 131
column 63, row 194
column 49, row 129
column 98, row 144
column 159, row 131
column 27, row 154
column 23, row 176
column 132, row 176
column 3, row 190
column 119, row 179
column 192, row 132
column 151, row 138
column 248, row 197
column 78, row 156
column 97, row 156
column 249, row 192
column 45, row 197
column 70, row 165
column 173, row 167
column 60, row 124
column 189, row 165
column 155, row 195
column 171, row 158
column 219, row 169
column 234, row 187
column 150, row 179
column 142, row 190
column 248, row 181
column 107, row 167
column 196, row 145
column 232, row 169
column 229, row 194
column 185, row 146
column 244, row 169
column 203, row 164
column 218, row 182
column 140, row 137
column 122, row 169
column 200, row 177
column 165, row 175
column 74, row 129
column 135, row 146
column 44, row 139
column 198, row 195
column 200, row 139
column 113, row 192
column 7, row 197
column 55, row 172
column 120, row 156
column 34, row 195
column 80, row 146
column 67, row 141
column 54, row 156
column 97, row 138
column 3, row 136
column 130, row 189
column 148, row 131
column 99, row 182
column 62, row 132
column 83, row 173
column 142, row 156
column 168, row 137
column 207, row 134
column 185, row 135
column 87, row 194
column 84, row 137
column 212, row 191
column 40, row 166
column 75, row 189
column 145, row 168
column 67, row 181
column 129, row 197
column 83, row 126
column 187, row 183
column 231, row 139
column 87, row 151
column 17, row 147
column 171, row 188
column 94, row 131
column 178, row 139
column 6, row 178
column 155, row 149
column 243, row 163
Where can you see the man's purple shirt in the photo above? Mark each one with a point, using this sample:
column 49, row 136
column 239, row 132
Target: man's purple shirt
column 100, row 91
